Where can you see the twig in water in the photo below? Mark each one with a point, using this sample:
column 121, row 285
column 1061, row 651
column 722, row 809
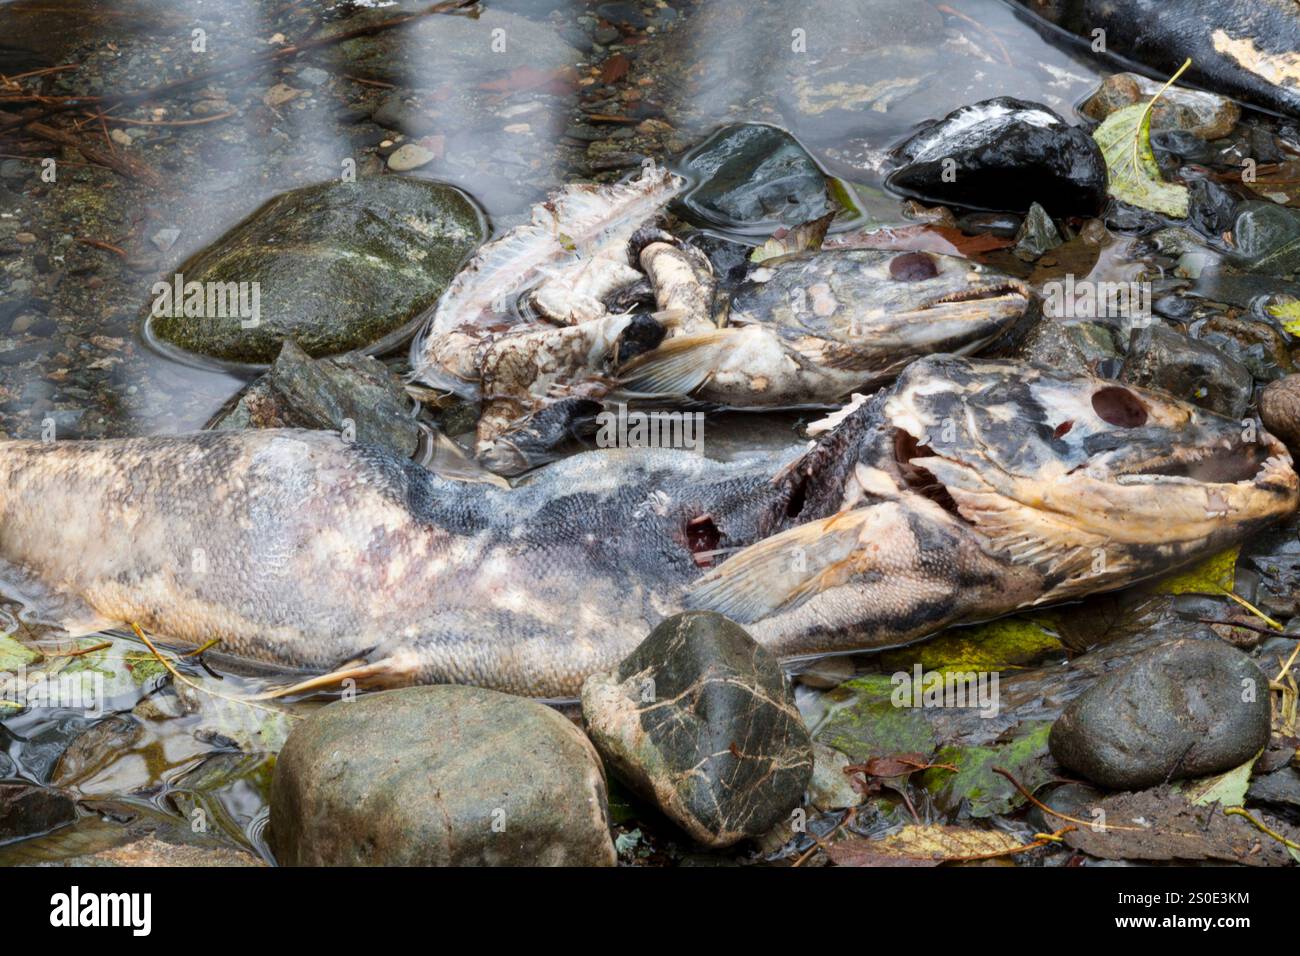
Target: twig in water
column 195, row 685
column 1251, row 608
column 85, row 650
column 1006, row 57
column 100, row 244
column 127, row 121
column 1238, row 812
column 1046, row 809
column 1243, row 626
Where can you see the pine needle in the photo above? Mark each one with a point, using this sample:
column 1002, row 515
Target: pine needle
column 1146, row 114
column 1252, row 609
column 195, row 685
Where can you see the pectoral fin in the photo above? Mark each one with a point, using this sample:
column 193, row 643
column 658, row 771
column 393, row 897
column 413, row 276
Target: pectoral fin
column 785, row 570
column 679, row 366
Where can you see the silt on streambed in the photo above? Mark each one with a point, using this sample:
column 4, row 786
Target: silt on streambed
column 773, row 117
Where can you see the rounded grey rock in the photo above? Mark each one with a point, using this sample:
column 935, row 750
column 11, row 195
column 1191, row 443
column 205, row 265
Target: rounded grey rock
column 1188, row 708
column 439, row 776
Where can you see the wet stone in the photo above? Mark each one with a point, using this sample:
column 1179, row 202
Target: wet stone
column 1159, row 357
column 336, row 266
column 1203, row 115
column 1279, row 409
column 410, row 156
column 26, row 810
column 1212, row 207
column 395, row 112
column 701, row 720
column 1189, row 708
column 831, row 788
column 1002, row 154
column 353, row 394
column 1268, row 238
column 754, row 178
column 443, row 775
column 1037, row 235
column 1072, row 347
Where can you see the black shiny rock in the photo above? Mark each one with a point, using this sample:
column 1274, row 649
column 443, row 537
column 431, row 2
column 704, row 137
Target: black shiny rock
column 1002, row 154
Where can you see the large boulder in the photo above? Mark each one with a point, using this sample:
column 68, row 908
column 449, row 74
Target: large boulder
column 336, row 266
column 439, row 776
column 1188, row 708
column 701, row 720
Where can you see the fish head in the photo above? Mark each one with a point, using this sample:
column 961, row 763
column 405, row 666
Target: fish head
column 1094, row 483
column 890, row 303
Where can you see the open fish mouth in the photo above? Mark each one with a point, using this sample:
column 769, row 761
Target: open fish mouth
column 1000, row 298
column 1087, row 480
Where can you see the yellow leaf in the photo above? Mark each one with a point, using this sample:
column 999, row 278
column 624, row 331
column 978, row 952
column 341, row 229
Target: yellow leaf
column 924, row 845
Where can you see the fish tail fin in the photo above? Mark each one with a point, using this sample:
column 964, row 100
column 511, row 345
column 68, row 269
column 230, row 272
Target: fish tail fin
column 785, row 570
column 679, row 366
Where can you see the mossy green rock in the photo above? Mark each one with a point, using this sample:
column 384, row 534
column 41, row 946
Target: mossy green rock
column 338, row 265
column 439, row 776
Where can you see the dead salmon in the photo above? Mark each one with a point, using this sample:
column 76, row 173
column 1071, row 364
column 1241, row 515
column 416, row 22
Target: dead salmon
column 967, row 490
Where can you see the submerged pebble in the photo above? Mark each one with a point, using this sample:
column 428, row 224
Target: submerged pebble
column 754, row 178
column 335, row 266
column 1268, row 238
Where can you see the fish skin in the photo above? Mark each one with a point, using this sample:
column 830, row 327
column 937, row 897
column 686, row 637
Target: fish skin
column 313, row 553
column 1247, row 51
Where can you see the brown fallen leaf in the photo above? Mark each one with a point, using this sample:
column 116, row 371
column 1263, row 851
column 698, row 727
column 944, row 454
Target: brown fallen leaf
column 1171, row 828
column 927, row 845
column 280, row 94
column 527, row 78
column 805, row 237
column 615, row 68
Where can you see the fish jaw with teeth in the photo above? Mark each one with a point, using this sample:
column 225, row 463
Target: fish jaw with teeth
column 957, row 495
column 812, row 328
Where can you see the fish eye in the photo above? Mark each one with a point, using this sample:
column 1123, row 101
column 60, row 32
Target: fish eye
column 1120, row 407
column 913, row 267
